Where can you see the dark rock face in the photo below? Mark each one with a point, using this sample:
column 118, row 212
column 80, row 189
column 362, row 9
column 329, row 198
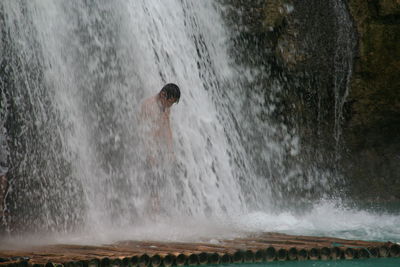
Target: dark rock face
column 308, row 52
column 372, row 131
column 349, row 125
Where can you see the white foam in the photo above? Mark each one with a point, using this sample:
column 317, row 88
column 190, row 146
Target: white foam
column 327, row 219
column 176, row 41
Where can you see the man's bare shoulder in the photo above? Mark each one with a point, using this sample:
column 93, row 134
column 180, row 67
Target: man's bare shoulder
column 150, row 101
column 148, row 105
column 146, row 102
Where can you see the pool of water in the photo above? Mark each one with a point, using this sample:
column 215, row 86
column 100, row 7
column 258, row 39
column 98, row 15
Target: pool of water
column 384, row 262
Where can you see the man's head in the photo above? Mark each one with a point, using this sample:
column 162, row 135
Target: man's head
column 170, row 94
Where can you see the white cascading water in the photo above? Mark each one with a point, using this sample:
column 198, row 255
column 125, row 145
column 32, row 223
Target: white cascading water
column 100, row 59
column 343, row 64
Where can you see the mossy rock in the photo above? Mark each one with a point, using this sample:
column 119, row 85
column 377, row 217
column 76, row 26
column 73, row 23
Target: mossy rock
column 275, row 12
column 389, row 7
column 381, row 46
column 375, row 86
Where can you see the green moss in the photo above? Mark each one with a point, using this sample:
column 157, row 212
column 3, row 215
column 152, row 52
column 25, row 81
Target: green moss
column 275, row 13
column 374, row 110
column 389, row 7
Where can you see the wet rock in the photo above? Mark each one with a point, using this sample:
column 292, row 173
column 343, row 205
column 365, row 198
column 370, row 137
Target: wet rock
column 275, row 12
column 374, row 101
column 389, row 7
column 305, row 43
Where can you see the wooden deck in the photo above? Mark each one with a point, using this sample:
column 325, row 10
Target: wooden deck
column 254, row 248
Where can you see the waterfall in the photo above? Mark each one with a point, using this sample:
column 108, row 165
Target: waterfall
column 73, row 76
column 343, row 67
column 76, row 75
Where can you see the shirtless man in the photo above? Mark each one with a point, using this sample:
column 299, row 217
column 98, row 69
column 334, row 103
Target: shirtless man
column 157, row 141
column 154, row 114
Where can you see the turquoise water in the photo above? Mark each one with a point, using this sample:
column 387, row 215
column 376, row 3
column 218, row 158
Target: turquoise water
column 386, row 262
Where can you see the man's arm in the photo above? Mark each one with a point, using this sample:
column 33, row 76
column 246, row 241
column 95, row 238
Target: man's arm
column 170, row 141
column 146, row 131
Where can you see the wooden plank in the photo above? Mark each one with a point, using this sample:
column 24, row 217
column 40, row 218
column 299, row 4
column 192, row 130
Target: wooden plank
column 261, row 247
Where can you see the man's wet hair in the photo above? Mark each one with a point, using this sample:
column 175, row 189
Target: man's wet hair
column 171, row 90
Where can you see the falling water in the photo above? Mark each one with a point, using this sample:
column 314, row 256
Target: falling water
column 343, row 64
column 86, row 67
column 74, row 75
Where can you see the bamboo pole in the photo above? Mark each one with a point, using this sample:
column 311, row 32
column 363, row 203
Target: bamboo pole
column 144, row 260
column 126, row 262
column 114, row 263
column 180, row 259
column 226, row 258
column 24, row 263
column 94, row 263
column 302, row 254
column 383, row 251
column 155, row 260
column 292, row 254
column 193, row 259
column 104, row 262
column 169, row 260
column 363, row 253
column 349, row 253
column 326, row 253
column 213, row 258
column 203, row 258
column 373, row 252
column 270, row 254
column 336, row 253
column 259, row 256
column 248, row 256
column 282, row 254
column 394, row 250
column 314, row 254
column 238, row 257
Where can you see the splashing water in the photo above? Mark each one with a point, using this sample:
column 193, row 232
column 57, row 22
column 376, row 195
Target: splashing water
column 97, row 62
column 328, row 218
column 80, row 70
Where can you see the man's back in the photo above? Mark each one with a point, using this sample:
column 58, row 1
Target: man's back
column 157, row 141
column 155, row 121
